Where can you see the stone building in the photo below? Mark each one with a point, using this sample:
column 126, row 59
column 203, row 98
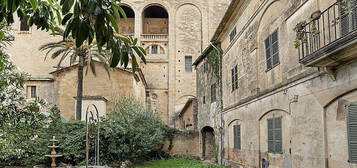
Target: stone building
column 289, row 84
column 173, row 32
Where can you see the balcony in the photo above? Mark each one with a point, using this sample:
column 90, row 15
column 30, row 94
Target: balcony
column 329, row 38
column 154, row 37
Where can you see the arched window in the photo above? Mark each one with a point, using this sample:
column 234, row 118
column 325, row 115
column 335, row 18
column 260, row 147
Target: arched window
column 127, row 26
column 155, row 20
column 155, row 49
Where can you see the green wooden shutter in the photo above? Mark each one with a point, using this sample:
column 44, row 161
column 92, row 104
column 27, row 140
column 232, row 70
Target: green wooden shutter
column 352, row 131
column 278, row 135
column 268, row 53
column 237, row 136
column 275, row 49
column 271, row 135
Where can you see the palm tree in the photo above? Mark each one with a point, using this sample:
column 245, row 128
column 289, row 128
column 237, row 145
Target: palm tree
column 84, row 55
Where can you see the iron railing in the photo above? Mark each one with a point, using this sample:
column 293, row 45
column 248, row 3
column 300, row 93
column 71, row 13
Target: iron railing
column 325, row 28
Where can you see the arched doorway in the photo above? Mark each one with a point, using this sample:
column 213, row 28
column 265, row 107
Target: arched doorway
column 208, row 143
column 127, row 26
column 155, row 20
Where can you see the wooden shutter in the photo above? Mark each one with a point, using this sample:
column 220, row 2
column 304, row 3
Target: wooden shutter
column 237, row 136
column 270, row 135
column 232, row 72
column 23, row 25
column 268, row 54
column 275, row 135
column 352, row 131
column 275, row 48
column 278, row 135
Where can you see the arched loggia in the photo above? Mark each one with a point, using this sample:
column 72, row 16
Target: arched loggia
column 155, row 20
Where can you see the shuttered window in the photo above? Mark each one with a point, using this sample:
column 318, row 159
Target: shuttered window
column 234, row 72
column 23, row 25
column 352, row 132
column 237, row 136
column 154, row 49
column 188, row 64
column 272, row 51
column 348, row 10
column 213, row 93
column 275, row 135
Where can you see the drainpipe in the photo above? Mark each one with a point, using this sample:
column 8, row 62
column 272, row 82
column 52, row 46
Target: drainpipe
column 221, row 129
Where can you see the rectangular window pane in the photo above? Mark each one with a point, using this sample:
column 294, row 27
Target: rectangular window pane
column 154, row 49
column 188, row 64
column 237, row 136
column 272, row 50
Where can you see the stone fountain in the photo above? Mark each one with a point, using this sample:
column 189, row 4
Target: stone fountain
column 53, row 154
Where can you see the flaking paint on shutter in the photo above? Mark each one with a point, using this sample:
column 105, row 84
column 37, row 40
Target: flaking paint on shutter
column 270, row 135
column 352, row 131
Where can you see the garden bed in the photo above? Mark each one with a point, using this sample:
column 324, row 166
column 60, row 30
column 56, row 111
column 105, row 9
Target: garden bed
column 177, row 163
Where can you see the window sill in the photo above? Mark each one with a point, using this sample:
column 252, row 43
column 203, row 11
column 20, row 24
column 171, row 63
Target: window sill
column 24, row 32
column 267, row 70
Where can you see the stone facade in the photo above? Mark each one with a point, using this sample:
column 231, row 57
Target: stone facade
column 171, row 32
column 309, row 100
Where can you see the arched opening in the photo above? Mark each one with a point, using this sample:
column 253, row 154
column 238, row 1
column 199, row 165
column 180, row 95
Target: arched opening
column 155, row 20
column 127, row 26
column 208, row 143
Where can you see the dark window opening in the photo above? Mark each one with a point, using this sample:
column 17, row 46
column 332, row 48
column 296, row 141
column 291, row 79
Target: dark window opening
column 23, row 25
column 128, row 12
column 188, row 63
column 155, row 12
column 154, row 49
column 233, row 34
column 213, row 93
column 234, row 78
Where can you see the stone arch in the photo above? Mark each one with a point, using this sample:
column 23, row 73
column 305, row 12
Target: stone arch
column 286, row 120
column 127, row 26
column 160, row 47
column 155, row 19
column 272, row 110
column 208, row 143
column 189, row 3
column 267, row 24
column 335, row 129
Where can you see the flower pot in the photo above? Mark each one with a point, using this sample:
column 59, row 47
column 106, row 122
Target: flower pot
column 316, row 15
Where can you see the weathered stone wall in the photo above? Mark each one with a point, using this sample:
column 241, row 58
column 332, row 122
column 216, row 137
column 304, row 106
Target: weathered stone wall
column 185, row 144
column 190, row 27
column 308, row 100
column 120, row 84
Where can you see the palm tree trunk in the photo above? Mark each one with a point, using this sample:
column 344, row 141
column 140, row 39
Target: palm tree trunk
column 80, row 87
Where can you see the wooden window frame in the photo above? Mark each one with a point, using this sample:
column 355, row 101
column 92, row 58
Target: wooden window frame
column 270, row 55
column 234, row 74
column 274, row 130
column 237, row 137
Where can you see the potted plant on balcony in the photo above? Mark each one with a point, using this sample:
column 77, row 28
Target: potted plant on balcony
column 316, row 15
column 300, row 26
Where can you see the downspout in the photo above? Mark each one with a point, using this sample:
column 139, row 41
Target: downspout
column 221, row 129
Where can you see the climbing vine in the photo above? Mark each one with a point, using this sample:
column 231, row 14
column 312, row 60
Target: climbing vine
column 214, row 58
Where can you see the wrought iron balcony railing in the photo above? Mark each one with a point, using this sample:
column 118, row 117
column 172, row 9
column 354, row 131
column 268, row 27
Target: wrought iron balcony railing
column 327, row 33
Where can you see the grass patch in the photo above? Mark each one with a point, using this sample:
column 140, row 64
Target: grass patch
column 177, row 163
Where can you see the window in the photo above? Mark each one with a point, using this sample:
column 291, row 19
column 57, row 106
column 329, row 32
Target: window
column 352, row 132
column 348, row 16
column 205, row 67
column 204, row 99
column 188, row 64
column 154, row 49
column 23, row 24
column 237, row 142
column 31, row 92
column 213, row 93
column 272, row 51
column 233, row 34
column 234, row 78
column 275, row 135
